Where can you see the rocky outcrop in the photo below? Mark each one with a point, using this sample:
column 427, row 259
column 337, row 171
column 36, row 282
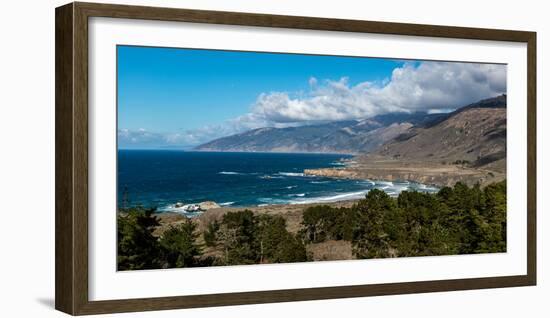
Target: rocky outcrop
column 207, row 205
column 422, row 172
column 340, row 173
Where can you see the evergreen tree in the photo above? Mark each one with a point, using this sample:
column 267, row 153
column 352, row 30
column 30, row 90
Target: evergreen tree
column 236, row 234
column 210, row 233
column 179, row 245
column 493, row 230
column 456, row 220
column 276, row 244
column 370, row 238
column 423, row 229
column 137, row 247
column 319, row 223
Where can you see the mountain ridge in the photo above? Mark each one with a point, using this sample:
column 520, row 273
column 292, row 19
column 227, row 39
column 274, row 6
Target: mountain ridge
column 468, row 146
column 347, row 137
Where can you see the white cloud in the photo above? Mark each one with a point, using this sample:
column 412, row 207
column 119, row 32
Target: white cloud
column 429, row 86
column 312, row 81
column 139, row 137
column 142, row 138
column 440, row 110
column 432, row 87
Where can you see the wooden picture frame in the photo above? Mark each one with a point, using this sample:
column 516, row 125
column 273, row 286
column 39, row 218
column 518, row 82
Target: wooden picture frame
column 71, row 90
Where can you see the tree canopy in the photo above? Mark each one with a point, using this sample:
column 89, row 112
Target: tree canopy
column 456, row 220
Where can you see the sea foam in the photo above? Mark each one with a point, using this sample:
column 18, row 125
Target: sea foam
column 291, row 174
column 332, row 198
column 229, row 172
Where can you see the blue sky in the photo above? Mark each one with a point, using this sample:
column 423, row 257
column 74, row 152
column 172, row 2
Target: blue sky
column 181, row 97
column 165, row 89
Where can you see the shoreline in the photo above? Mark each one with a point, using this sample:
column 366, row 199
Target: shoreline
column 350, row 154
column 427, row 173
column 292, row 213
column 279, row 152
column 393, row 190
column 378, row 168
column 375, row 169
column 337, row 247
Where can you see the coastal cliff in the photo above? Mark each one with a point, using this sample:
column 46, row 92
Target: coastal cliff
column 468, row 146
column 431, row 174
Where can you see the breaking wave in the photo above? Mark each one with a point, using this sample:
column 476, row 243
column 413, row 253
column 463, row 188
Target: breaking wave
column 291, row 174
column 229, row 172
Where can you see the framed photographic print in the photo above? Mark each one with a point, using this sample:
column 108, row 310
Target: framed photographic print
column 211, row 158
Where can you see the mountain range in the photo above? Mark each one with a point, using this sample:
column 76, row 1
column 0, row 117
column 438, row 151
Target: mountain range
column 475, row 133
column 352, row 136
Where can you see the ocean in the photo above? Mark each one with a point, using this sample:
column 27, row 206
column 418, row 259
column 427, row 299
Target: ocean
column 162, row 178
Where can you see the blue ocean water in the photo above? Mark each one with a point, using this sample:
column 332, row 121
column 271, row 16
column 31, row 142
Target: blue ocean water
column 161, row 178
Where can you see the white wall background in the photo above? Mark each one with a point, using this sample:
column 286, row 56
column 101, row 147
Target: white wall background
column 27, row 158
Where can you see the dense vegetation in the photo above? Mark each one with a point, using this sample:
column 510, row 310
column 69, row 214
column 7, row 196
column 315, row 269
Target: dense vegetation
column 458, row 220
column 246, row 238
column 138, row 248
column 242, row 238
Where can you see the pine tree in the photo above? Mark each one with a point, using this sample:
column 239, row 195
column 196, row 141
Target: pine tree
column 179, row 245
column 370, row 239
column 137, row 247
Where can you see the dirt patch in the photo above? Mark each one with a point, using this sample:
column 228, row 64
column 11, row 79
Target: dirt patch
column 331, row 251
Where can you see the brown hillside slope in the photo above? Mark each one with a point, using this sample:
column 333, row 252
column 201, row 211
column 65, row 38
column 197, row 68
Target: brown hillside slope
column 469, row 146
column 475, row 137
